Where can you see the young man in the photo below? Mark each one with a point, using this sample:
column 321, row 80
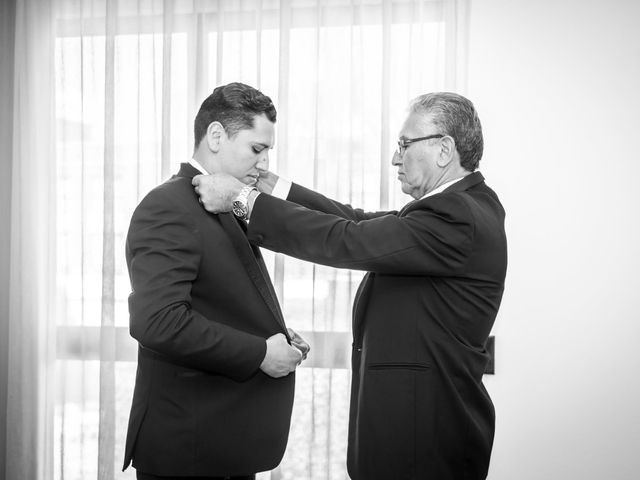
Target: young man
column 215, row 383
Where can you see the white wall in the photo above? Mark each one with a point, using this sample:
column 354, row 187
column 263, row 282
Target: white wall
column 557, row 85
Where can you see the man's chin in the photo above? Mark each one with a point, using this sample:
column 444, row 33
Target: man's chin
column 406, row 188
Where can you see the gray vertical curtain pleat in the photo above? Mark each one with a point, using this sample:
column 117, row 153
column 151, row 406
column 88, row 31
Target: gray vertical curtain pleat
column 31, row 333
column 456, row 17
column 139, row 118
column 385, row 99
column 199, row 63
column 220, row 42
column 165, row 150
column 7, row 48
column 107, row 427
column 283, row 120
column 259, row 45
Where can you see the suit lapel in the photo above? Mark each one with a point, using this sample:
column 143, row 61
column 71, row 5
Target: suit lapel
column 254, row 265
column 263, row 268
column 269, row 284
column 250, row 258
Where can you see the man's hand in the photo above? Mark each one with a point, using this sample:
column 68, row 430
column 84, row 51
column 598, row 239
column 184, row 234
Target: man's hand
column 266, row 182
column 298, row 342
column 281, row 358
column 217, row 191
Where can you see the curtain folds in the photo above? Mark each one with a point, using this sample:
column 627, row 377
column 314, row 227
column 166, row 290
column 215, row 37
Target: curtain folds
column 105, row 92
column 31, row 354
column 7, row 66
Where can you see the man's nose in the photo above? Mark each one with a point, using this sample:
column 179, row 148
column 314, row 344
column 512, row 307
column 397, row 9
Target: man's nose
column 396, row 159
column 263, row 162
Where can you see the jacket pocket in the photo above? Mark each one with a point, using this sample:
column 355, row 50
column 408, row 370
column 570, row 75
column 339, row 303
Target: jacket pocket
column 399, row 366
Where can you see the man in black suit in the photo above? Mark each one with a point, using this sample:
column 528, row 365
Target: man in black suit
column 424, row 311
column 215, row 383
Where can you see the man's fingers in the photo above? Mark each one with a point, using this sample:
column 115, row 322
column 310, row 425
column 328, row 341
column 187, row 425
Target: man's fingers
column 301, row 357
column 196, row 180
column 300, row 345
column 299, row 342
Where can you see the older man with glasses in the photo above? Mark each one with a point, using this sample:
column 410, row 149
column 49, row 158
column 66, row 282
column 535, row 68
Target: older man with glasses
column 424, row 311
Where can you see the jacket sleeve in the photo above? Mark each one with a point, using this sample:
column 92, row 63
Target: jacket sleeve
column 435, row 238
column 163, row 256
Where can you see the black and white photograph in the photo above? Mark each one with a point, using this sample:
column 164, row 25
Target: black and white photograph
column 319, row 240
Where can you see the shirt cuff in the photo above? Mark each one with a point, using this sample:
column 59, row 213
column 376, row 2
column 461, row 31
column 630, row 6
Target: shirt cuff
column 281, row 188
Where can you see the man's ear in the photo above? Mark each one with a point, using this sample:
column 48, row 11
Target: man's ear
column 215, row 132
column 447, row 150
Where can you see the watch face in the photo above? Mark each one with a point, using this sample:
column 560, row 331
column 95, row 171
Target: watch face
column 239, row 209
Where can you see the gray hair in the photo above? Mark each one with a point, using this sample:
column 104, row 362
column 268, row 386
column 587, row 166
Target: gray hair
column 454, row 115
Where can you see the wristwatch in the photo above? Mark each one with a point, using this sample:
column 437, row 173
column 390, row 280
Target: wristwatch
column 241, row 203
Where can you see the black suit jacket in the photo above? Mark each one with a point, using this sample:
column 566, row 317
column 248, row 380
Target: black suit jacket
column 421, row 320
column 201, row 308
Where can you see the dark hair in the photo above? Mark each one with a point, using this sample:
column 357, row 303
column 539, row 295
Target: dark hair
column 234, row 105
column 454, row 115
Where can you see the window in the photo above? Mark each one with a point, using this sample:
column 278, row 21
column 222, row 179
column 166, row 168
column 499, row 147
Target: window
column 129, row 79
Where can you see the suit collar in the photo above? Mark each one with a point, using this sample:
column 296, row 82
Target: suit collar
column 466, row 183
column 187, row 171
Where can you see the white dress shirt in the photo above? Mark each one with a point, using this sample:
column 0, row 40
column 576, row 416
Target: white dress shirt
column 281, row 188
column 198, row 167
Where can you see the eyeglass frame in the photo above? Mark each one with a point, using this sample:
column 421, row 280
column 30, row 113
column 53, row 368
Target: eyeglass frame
column 404, row 144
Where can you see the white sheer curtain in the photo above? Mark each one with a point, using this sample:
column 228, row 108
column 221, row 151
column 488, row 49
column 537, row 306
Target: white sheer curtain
column 105, row 96
column 31, row 321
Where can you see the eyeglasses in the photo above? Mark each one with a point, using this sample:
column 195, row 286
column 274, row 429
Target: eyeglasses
column 403, row 144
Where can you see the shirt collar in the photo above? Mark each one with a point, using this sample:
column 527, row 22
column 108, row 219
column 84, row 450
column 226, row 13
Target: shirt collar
column 198, row 167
